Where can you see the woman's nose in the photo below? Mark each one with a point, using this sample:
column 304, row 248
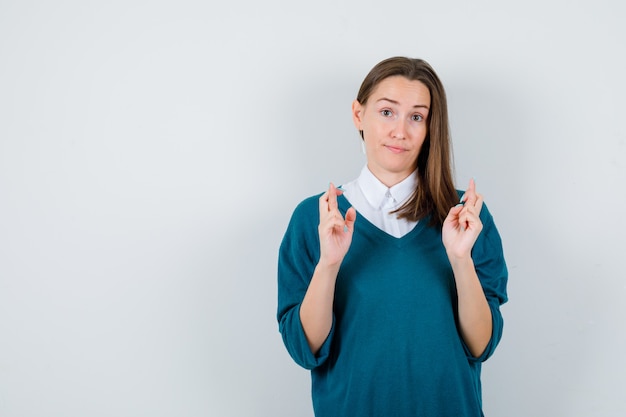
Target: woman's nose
column 399, row 130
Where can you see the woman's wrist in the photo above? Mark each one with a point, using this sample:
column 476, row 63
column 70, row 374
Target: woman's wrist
column 326, row 268
column 461, row 262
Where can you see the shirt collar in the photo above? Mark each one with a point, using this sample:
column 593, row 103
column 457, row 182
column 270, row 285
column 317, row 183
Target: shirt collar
column 375, row 192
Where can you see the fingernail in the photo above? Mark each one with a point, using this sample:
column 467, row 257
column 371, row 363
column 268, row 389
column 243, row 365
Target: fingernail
column 345, row 228
column 462, row 197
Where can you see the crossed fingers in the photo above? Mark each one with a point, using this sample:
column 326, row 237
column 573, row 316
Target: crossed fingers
column 329, row 209
column 472, row 204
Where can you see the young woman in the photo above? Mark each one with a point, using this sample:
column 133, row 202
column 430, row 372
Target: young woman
column 389, row 287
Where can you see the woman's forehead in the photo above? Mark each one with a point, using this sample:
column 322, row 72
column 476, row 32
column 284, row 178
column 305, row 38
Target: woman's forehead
column 401, row 90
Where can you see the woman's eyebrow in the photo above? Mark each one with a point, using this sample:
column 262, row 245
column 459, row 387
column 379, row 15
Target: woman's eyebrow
column 397, row 102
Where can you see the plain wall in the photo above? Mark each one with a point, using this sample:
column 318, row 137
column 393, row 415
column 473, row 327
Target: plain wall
column 151, row 154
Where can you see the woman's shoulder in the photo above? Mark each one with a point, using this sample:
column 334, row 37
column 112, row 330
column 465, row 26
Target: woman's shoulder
column 308, row 204
column 307, row 210
column 304, row 220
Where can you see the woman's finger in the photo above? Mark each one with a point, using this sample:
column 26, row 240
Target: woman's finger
column 323, row 202
column 470, row 194
column 329, row 198
column 478, row 205
column 454, row 211
column 330, row 216
column 350, row 218
column 332, row 197
column 470, row 216
column 453, row 214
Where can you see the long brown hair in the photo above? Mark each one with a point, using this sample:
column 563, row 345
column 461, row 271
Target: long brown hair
column 435, row 193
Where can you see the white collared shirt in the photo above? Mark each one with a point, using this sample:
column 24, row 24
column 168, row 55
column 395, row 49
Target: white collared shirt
column 374, row 200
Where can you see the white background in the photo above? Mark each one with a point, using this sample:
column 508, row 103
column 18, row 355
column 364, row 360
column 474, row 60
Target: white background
column 151, row 153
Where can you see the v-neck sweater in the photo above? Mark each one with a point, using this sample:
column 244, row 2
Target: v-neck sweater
column 376, row 202
column 394, row 348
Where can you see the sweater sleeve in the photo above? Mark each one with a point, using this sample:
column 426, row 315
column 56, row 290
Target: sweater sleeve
column 492, row 272
column 297, row 258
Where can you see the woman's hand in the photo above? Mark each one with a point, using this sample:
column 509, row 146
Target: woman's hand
column 335, row 231
column 462, row 226
column 460, row 231
column 316, row 311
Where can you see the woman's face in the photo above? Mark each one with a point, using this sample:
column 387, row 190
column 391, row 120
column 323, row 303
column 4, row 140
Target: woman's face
column 394, row 125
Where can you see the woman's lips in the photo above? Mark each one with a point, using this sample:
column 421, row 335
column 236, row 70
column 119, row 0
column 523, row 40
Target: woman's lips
column 395, row 149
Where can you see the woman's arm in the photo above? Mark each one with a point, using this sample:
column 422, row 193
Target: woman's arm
column 474, row 313
column 460, row 231
column 316, row 311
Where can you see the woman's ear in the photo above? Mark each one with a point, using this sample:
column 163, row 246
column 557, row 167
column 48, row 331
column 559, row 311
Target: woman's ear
column 357, row 115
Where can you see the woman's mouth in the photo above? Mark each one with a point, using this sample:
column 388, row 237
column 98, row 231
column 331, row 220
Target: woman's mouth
column 395, row 149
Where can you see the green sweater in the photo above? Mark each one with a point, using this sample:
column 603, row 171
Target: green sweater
column 394, row 348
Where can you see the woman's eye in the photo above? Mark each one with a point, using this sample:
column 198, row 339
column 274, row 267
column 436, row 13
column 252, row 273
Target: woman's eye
column 417, row 118
column 385, row 112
